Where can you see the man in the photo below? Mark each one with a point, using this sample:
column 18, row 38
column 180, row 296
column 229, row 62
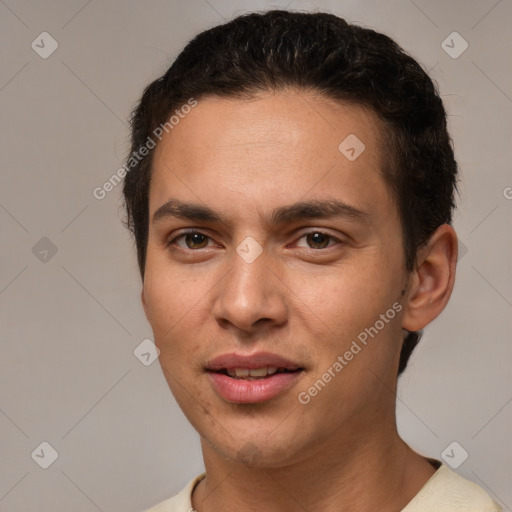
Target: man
column 291, row 198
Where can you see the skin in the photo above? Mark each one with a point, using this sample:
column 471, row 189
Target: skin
column 305, row 298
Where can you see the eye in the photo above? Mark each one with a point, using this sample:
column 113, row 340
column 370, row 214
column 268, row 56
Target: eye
column 193, row 240
column 318, row 240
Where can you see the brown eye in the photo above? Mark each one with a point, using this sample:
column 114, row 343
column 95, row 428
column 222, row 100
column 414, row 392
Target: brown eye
column 193, row 240
column 317, row 240
column 196, row 240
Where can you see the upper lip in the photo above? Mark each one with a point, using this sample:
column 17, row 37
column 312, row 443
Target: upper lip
column 256, row 360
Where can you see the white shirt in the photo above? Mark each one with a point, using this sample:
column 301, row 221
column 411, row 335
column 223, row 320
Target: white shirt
column 445, row 491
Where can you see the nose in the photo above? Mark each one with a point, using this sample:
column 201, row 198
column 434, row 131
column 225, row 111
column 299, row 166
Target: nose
column 251, row 297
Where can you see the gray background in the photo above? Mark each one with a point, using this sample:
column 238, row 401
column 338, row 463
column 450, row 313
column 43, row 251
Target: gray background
column 70, row 321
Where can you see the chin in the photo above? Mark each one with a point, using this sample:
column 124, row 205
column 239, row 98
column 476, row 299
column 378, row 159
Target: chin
column 256, row 453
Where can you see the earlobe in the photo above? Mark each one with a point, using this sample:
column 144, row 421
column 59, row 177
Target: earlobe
column 431, row 282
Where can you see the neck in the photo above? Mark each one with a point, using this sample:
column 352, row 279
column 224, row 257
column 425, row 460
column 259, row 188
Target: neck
column 375, row 471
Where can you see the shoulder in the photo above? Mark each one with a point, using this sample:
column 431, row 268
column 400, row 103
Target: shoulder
column 447, row 491
column 181, row 502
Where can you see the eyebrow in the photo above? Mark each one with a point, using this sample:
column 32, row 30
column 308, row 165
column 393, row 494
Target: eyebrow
column 303, row 210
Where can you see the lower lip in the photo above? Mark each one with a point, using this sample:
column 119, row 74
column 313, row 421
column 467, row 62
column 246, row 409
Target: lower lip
column 240, row 391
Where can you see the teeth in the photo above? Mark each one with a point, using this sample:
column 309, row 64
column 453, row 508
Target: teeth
column 253, row 372
column 258, row 372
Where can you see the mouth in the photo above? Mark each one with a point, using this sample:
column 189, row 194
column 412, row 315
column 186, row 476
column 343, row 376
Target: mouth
column 247, row 379
column 250, row 374
column 240, row 385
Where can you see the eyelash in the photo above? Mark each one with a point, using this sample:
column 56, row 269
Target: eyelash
column 193, row 232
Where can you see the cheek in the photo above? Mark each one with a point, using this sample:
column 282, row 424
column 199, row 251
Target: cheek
column 168, row 294
column 349, row 294
column 349, row 303
column 173, row 304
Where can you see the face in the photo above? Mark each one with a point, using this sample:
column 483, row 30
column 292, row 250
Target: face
column 272, row 248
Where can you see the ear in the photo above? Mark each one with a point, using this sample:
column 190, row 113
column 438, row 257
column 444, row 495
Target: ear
column 431, row 282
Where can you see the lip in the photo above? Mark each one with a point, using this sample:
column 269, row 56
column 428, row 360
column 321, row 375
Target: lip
column 252, row 361
column 241, row 391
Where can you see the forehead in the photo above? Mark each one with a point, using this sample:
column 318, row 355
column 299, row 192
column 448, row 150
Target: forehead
column 271, row 148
